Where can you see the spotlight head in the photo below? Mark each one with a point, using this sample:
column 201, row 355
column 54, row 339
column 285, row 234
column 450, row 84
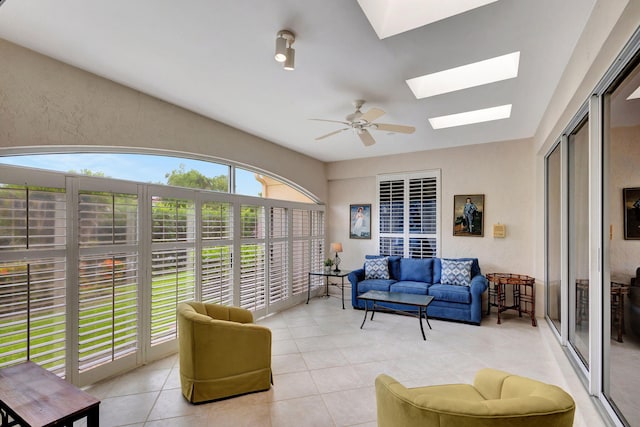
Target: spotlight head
column 289, row 63
column 281, row 49
column 284, row 40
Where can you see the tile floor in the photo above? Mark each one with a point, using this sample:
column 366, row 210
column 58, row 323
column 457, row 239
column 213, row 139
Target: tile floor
column 324, row 369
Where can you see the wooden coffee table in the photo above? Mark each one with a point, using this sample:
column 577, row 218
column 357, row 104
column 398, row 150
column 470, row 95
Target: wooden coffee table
column 34, row 397
column 415, row 300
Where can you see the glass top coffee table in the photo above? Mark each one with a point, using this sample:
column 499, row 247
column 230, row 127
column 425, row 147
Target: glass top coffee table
column 420, row 301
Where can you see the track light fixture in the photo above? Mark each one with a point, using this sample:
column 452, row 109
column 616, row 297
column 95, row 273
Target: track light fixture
column 284, row 52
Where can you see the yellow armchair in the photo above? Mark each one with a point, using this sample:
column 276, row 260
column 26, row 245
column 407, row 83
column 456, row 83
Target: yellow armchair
column 222, row 353
column 496, row 399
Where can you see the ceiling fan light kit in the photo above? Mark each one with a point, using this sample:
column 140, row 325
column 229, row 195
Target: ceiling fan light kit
column 284, row 52
column 360, row 123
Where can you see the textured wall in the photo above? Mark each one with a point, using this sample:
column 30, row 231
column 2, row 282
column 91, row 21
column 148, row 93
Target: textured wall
column 47, row 104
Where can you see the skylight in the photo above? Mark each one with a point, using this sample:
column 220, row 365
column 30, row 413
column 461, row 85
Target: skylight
column 475, row 74
column 391, row 17
column 635, row 94
column 471, row 117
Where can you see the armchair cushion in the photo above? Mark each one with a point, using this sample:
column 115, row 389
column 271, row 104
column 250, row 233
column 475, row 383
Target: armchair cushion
column 496, row 399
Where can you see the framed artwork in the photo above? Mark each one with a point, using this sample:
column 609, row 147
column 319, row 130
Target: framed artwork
column 631, row 197
column 360, row 221
column 468, row 215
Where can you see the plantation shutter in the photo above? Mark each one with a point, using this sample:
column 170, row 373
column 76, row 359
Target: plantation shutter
column 301, row 250
column 252, row 258
column 278, row 256
column 217, row 242
column 408, row 215
column 391, row 206
column 108, row 277
column 172, row 263
column 33, row 276
column 422, row 217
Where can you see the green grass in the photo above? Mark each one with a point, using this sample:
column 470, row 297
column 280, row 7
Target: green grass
column 97, row 330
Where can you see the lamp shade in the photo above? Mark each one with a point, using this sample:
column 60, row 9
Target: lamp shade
column 336, row 247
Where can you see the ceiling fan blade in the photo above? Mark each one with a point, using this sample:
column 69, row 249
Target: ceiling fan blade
column 366, row 137
column 331, row 121
column 330, row 134
column 394, row 128
column 371, row 115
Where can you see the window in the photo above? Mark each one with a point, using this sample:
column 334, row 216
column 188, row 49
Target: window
column 408, row 215
column 128, row 256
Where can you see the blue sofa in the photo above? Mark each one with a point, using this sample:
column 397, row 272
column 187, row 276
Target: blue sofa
column 423, row 276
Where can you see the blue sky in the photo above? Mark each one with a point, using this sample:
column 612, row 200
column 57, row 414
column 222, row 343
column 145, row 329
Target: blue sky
column 132, row 167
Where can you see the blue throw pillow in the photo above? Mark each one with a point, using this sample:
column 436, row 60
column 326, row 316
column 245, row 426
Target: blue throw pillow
column 416, row 269
column 456, row 272
column 377, row 268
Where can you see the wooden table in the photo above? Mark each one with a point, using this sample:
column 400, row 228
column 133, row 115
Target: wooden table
column 31, row 396
column 618, row 291
column 523, row 292
column 619, row 288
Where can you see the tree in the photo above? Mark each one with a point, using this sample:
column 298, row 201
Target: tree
column 195, row 179
column 89, row 172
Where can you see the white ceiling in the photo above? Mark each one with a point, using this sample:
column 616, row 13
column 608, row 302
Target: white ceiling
column 215, row 57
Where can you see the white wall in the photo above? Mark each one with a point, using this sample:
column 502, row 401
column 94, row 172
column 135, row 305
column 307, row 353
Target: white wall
column 610, row 27
column 45, row 103
column 502, row 171
column 623, row 173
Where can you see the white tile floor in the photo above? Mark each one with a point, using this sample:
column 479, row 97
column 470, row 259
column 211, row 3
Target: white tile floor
column 324, row 369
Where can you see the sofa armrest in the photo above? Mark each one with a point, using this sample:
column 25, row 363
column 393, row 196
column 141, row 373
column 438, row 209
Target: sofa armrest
column 479, row 284
column 354, row 277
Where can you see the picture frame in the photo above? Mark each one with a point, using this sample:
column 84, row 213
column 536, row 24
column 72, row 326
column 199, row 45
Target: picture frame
column 631, row 208
column 360, row 221
column 468, row 215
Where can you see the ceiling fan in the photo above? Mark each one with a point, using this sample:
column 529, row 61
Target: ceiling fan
column 361, row 123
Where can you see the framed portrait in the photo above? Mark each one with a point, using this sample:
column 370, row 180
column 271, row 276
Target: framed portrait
column 360, row 221
column 631, row 198
column 468, row 215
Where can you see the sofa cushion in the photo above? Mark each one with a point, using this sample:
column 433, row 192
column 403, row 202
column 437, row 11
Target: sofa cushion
column 394, row 264
column 374, row 285
column 437, row 268
column 416, row 269
column 450, row 293
column 410, row 287
column 456, row 272
column 376, row 268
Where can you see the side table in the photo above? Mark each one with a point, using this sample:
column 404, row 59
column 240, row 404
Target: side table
column 618, row 291
column 523, row 292
column 341, row 274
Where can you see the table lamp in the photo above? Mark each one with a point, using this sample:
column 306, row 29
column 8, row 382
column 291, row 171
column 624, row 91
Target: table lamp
column 336, row 247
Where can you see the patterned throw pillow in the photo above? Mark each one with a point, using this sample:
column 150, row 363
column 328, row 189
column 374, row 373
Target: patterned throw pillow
column 455, row 272
column 377, row 268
